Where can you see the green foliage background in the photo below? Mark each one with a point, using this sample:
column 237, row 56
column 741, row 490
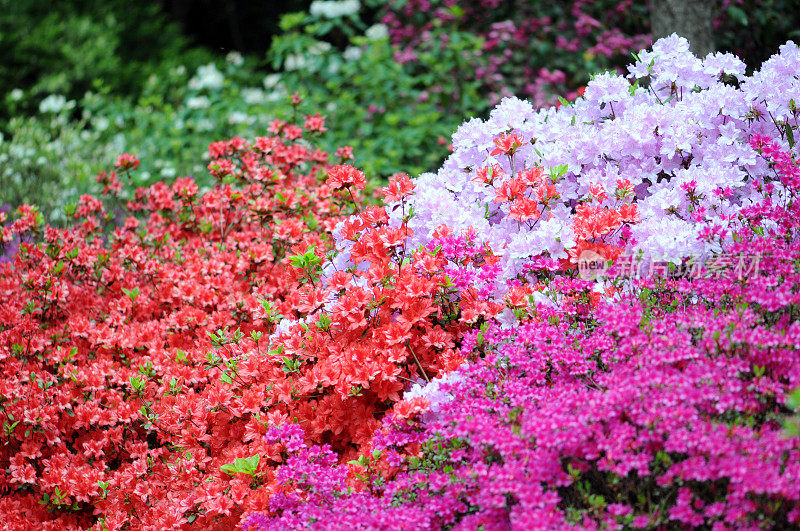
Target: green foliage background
column 120, row 76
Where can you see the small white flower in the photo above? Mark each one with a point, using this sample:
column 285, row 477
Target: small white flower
column 238, row 117
column 271, row 80
column 207, row 77
column 198, row 102
column 377, row 32
column 16, row 94
column 54, row 103
column 276, row 95
column 319, row 48
column 334, row 9
column 295, row 62
column 334, row 67
column 253, row 96
column 205, row 125
column 234, row 58
column 352, row 53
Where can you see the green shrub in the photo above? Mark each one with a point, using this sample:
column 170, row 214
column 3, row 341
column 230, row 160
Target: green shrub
column 50, row 161
column 71, row 46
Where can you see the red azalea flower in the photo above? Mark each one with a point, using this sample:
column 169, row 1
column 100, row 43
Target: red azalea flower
column 507, row 143
column 126, row 161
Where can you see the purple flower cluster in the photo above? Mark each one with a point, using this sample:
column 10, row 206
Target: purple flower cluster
column 8, row 243
column 571, row 37
column 677, row 128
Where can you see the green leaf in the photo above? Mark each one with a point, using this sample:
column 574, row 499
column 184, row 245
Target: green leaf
column 137, row 383
column 229, row 469
column 737, row 15
column 131, row 293
column 290, row 21
column 324, row 322
column 793, row 400
column 242, row 465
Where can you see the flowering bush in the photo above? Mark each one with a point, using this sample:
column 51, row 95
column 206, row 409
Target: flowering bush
column 74, row 46
column 516, row 41
column 51, row 159
column 180, row 107
column 279, row 352
column 543, row 51
column 642, row 167
column 656, row 408
column 141, row 371
column 660, row 409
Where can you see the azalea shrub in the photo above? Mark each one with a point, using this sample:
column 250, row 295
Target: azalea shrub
column 145, row 362
column 533, row 50
column 546, row 51
column 288, row 349
column 643, row 163
column 665, row 407
column 611, row 402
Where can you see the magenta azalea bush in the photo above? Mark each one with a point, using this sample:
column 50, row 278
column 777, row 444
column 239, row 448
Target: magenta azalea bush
column 535, row 50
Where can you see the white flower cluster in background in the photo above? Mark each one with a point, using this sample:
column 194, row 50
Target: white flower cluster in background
column 333, row 9
column 377, row 32
column 234, row 58
column 55, row 103
column 207, row 77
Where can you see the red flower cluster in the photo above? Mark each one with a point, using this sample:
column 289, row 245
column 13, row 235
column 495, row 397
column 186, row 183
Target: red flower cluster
column 400, row 186
column 126, row 161
column 315, row 124
column 140, row 370
column 527, row 192
column 344, row 176
column 597, row 226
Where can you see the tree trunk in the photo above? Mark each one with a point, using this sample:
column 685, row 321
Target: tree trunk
column 688, row 18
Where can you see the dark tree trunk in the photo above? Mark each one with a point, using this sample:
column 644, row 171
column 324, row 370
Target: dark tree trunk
column 688, row 18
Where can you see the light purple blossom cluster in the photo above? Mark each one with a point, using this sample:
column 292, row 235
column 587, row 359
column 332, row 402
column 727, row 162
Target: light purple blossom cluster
column 677, row 128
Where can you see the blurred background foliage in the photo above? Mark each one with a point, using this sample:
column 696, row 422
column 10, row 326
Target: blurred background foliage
column 82, row 81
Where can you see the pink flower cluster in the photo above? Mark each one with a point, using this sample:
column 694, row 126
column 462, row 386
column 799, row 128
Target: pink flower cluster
column 595, row 34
